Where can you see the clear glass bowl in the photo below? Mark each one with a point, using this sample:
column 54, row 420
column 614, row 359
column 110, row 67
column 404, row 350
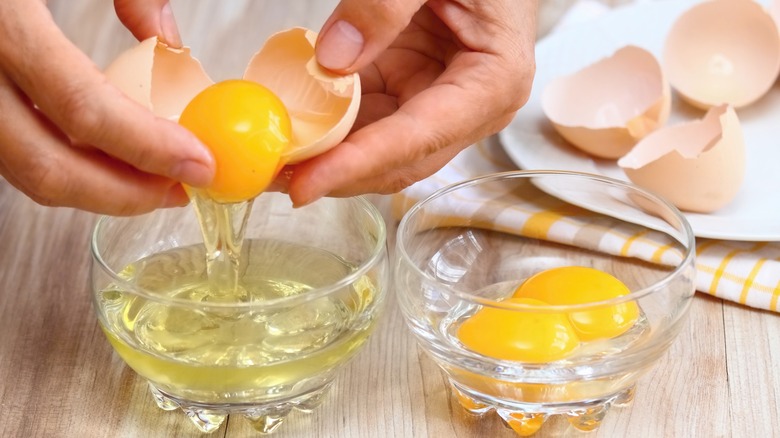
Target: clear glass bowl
column 311, row 284
column 469, row 246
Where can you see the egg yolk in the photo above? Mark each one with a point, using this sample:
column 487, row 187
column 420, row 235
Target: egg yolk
column 246, row 127
column 579, row 285
column 516, row 335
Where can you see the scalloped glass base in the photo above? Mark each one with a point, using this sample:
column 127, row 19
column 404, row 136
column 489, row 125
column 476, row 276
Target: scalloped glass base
column 529, row 419
column 265, row 417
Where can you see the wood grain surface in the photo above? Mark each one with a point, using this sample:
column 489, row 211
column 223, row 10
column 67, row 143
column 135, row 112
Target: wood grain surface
column 60, row 378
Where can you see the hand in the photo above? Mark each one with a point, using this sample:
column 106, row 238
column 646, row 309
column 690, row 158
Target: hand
column 68, row 138
column 437, row 76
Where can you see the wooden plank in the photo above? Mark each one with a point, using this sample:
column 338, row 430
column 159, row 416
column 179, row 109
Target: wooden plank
column 686, row 394
column 753, row 346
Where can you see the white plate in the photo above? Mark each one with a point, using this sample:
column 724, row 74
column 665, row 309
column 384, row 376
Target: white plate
column 532, row 144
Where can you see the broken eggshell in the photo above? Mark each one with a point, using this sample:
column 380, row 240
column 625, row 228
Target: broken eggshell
column 158, row 77
column 323, row 106
column 606, row 107
column 723, row 51
column 698, row 166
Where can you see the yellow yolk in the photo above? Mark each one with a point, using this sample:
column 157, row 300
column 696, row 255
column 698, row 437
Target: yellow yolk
column 516, row 335
column 579, row 285
column 247, row 128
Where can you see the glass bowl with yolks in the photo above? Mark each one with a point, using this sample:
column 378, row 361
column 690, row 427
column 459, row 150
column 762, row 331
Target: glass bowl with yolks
column 544, row 293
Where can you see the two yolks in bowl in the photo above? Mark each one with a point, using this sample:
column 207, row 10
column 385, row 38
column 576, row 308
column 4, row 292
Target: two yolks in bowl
column 546, row 336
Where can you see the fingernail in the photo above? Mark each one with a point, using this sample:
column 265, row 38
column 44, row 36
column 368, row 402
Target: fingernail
column 309, row 200
column 170, row 32
column 281, row 183
column 340, row 46
column 193, row 173
column 176, row 197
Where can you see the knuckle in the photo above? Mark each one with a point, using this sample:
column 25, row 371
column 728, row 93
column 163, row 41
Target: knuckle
column 84, row 122
column 394, row 13
column 396, row 182
column 518, row 90
column 46, row 183
column 523, row 86
column 88, row 121
column 129, row 209
column 503, row 121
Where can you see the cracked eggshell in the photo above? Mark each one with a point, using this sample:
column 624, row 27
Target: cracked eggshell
column 158, row 77
column 698, row 166
column 774, row 11
column 606, row 107
column 323, row 106
column 723, row 51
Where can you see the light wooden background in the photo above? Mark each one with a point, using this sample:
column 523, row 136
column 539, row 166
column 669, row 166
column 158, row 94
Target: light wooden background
column 60, row 378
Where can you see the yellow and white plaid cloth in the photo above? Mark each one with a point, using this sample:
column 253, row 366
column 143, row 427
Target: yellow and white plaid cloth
column 744, row 272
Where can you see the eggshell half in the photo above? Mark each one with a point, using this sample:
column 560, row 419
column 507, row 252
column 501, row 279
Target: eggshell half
column 774, row 11
column 723, row 51
column 698, row 166
column 322, row 106
column 158, row 77
column 606, row 107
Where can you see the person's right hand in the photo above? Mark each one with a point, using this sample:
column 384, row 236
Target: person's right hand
column 69, row 138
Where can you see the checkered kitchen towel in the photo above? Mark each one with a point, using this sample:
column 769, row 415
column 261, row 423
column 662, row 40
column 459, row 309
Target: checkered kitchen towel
column 744, row 272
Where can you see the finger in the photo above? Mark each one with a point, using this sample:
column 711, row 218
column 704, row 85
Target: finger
column 37, row 160
column 74, row 94
column 359, row 30
column 148, row 18
column 453, row 112
column 373, row 107
column 478, row 93
column 396, row 179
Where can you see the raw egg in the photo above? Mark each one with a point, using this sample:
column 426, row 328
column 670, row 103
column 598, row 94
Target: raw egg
column 606, row 107
column 699, row 166
column 723, row 51
column 579, row 285
column 321, row 106
column 247, row 128
column 519, row 335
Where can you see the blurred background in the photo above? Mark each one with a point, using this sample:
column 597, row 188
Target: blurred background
column 93, row 26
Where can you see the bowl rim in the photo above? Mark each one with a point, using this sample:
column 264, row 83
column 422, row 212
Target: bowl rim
column 378, row 252
column 687, row 261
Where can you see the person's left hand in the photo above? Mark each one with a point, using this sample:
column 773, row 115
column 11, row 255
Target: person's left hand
column 437, row 76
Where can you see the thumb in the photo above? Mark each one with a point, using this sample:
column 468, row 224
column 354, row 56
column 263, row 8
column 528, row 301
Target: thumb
column 148, row 18
column 359, row 30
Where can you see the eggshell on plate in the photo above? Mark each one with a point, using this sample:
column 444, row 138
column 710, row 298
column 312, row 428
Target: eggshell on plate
column 723, row 51
column 698, row 166
column 606, row 107
column 322, row 106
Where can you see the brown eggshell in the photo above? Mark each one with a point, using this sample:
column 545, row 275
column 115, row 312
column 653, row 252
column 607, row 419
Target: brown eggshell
column 774, row 11
column 723, row 51
column 158, row 77
column 606, row 107
column 699, row 166
column 322, row 106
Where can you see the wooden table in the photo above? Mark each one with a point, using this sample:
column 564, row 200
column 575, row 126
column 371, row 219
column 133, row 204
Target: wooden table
column 60, row 378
